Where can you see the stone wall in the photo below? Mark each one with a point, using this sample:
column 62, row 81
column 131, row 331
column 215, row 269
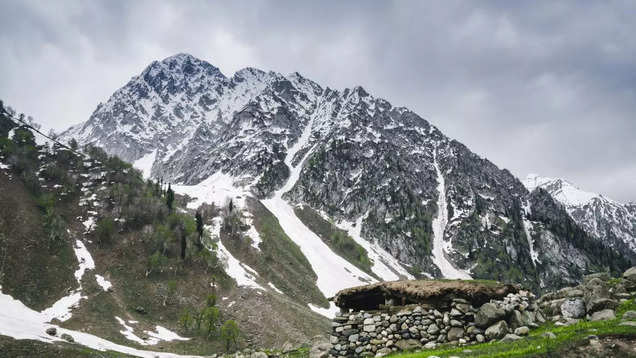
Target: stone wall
column 411, row 327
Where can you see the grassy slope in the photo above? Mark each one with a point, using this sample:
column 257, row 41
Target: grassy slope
column 338, row 240
column 29, row 348
column 31, row 271
column 537, row 346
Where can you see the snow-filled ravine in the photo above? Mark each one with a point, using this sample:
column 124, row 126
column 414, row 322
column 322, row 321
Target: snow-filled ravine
column 334, row 273
column 441, row 246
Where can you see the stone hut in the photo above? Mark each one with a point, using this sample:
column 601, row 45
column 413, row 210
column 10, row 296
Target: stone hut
column 385, row 317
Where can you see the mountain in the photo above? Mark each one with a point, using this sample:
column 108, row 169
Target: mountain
column 367, row 191
column 603, row 218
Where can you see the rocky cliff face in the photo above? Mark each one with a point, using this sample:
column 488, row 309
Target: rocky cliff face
column 605, row 219
column 383, row 172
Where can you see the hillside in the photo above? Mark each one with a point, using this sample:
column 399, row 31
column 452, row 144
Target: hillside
column 103, row 255
column 413, row 202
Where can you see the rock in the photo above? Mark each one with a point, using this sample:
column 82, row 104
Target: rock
column 264, row 355
column 67, row 337
column 480, row 338
column 601, row 304
column 140, row 309
column 628, row 323
column 286, row 347
column 510, row 338
column 603, row 315
column 630, row 274
column 629, row 315
column 455, row 333
column 333, row 339
column 516, row 319
column 369, row 328
column 430, row 345
column 407, row 344
column 497, row 330
column 487, row 314
column 573, row 308
column 319, row 349
column 383, row 352
column 604, row 276
column 522, row 331
column 354, row 337
column 595, row 289
column 51, row 331
column 432, row 329
column 549, row 335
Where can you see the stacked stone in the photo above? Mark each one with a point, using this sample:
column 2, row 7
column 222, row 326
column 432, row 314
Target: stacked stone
column 380, row 333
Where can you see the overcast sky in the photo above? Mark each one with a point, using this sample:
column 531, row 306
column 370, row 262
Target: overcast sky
column 547, row 89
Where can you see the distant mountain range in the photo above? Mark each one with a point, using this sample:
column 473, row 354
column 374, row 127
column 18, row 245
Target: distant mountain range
column 411, row 201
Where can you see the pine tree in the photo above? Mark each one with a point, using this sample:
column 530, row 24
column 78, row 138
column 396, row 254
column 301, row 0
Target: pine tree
column 169, row 197
column 199, row 220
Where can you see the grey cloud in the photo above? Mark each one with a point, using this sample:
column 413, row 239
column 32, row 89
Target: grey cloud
column 547, row 88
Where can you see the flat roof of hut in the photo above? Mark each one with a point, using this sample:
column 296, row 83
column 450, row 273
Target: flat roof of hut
column 436, row 293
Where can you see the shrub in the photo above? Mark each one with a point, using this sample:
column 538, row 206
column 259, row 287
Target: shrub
column 229, row 334
column 104, row 230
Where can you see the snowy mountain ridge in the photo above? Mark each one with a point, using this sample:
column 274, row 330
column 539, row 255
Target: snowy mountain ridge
column 600, row 216
column 421, row 203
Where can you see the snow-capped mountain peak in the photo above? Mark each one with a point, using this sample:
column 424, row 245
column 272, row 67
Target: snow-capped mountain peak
column 561, row 189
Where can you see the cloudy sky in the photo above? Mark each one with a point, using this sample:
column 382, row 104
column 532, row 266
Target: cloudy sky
column 549, row 89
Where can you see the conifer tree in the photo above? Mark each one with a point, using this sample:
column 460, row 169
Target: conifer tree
column 169, row 197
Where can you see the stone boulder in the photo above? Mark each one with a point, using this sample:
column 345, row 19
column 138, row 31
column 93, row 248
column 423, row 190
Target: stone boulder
column 573, row 308
column 604, row 276
column 630, row 274
column 497, row 330
column 601, row 304
column 629, row 316
column 67, row 337
column 522, row 331
column 510, row 338
column 51, row 331
column 603, row 315
column 455, row 333
column 408, row 344
column 488, row 313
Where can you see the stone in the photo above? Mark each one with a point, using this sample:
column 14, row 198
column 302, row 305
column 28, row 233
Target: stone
column 455, row 333
column 488, row 313
column 629, row 315
column 573, row 308
column 603, row 315
column 480, row 338
column 368, row 321
column 407, row 344
column 455, row 312
column 630, row 274
column 522, row 331
column 456, row 323
column 67, row 337
column 432, row 329
column 516, row 319
column 446, row 319
column 369, row 328
column 383, row 352
column 604, row 276
column 51, row 331
column 628, row 323
column 264, row 355
column 497, row 330
column 333, row 339
column 140, row 309
column 510, row 338
column 549, row 335
column 601, row 304
column 463, row 307
column 354, row 337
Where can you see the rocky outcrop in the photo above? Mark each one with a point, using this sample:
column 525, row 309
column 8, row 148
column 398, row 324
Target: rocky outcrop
column 595, row 298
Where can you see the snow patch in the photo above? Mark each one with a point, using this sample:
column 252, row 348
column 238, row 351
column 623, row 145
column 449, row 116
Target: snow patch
column 104, row 283
column 330, row 312
column 237, row 270
column 216, row 189
column 441, row 246
column 145, row 163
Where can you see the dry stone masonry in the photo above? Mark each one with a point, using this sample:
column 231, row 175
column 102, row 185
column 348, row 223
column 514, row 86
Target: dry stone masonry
column 380, row 332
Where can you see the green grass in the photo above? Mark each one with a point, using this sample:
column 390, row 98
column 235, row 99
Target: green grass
column 10, row 347
column 534, row 344
column 338, row 240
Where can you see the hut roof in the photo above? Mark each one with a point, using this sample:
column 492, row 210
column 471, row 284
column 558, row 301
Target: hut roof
column 433, row 292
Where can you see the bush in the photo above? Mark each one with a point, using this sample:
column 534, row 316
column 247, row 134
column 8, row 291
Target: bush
column 105, row 230
column 229, row 334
